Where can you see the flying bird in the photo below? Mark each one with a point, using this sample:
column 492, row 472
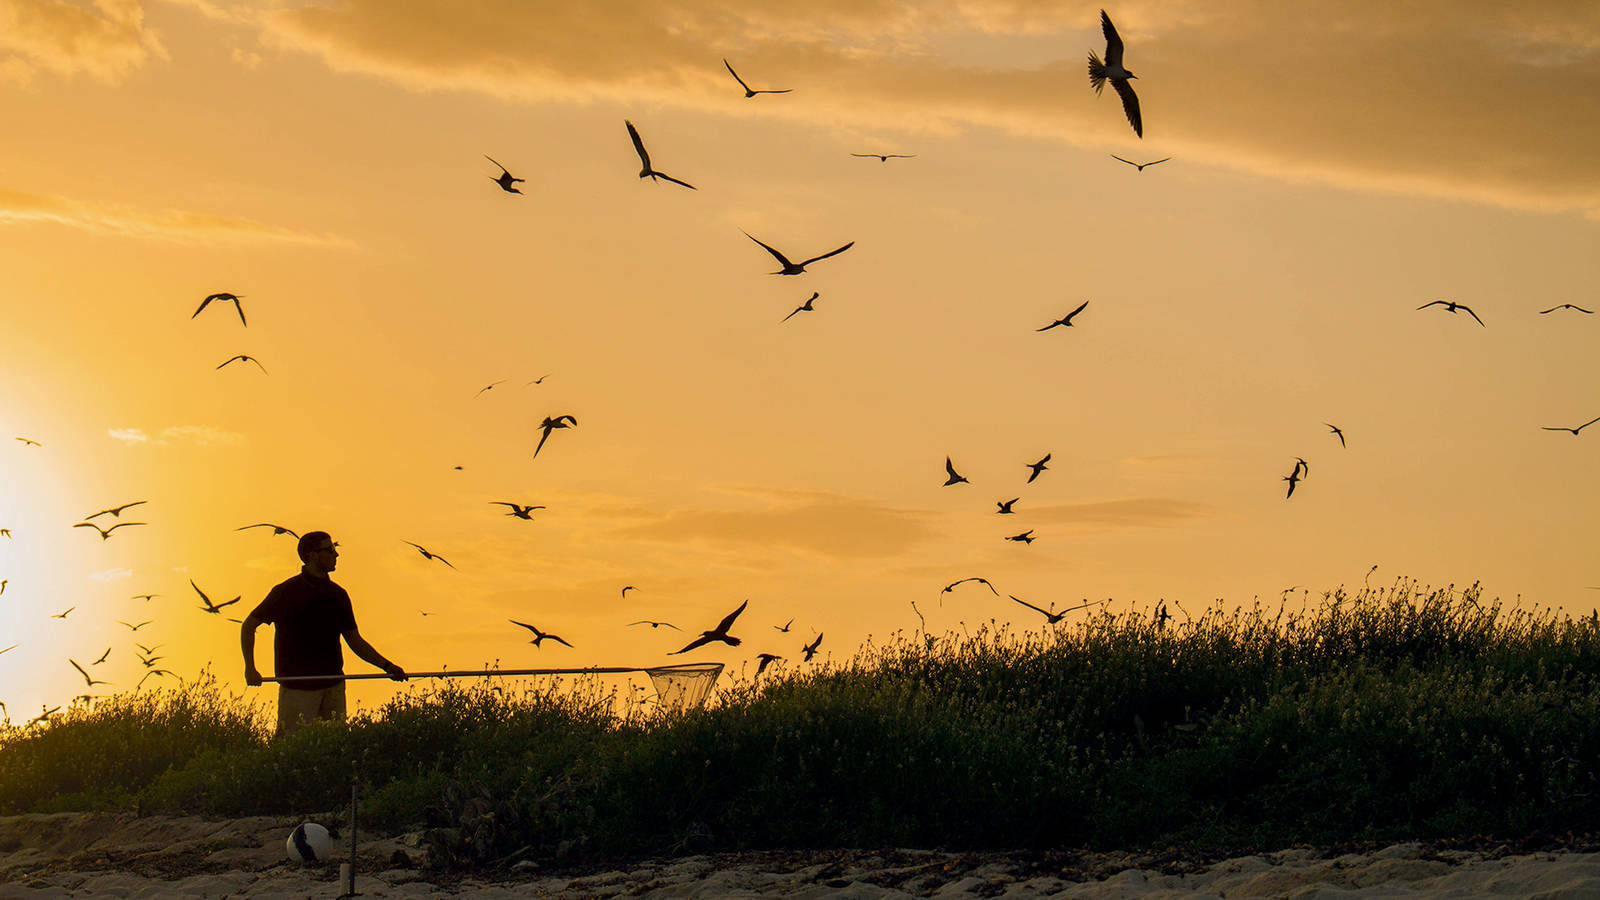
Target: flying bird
column 951, row 586
column 551, row 424
column 654, row 625
column 785, row 627
column 521, row 512
column 1139, row 166
column 1119, row 76
column 115, row 511
column 489, row 387
column 885, row 157
column 106, row 532
column 1037, row 468
column 213, row 608
column 1573, row 430
column 3, row 583
column 90, row 681
column 1334, row 429
column 156, row 672
column 1292, row 478
column 627, row 588
column 1066, row 319
column 1024, row 538
column 132, row 627
column 766, row 659
column 5, row 533
column 1005, row 506
column 505, row 179
column 426, row 555
column 223, row 298
column 102, row 657
column 644, row 159
column 29, row 442
column 538, row 380
column 804, row 307
column 1051, row 617
column 955, row 478
column 793, row 268
column 276, row 529
column 1302, row 467
column 63, row 613
column 810, row 649
column 1565, row 306
column 244, row 358
column 539, row 637
column 1451, row 306
column 748, row 92
column 10, row 648
column 719, row 633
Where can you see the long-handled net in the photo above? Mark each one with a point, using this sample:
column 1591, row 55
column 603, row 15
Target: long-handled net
column 678, row 687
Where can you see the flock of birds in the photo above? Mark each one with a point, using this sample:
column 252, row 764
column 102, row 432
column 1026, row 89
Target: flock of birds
column 1111, row 69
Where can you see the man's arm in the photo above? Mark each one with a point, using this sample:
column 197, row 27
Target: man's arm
column 247, row 643
column 360, row 647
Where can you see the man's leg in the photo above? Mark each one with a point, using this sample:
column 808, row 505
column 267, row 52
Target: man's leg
column 331, row 705
column 295, row 708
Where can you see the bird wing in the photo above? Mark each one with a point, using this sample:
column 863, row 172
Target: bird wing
column 79, row 668
column 675, row 180
column 1472, row 314
column 775, row 254
column 91, row 525
column 1113, row 40
column 784, row 91
column 524, row 625
column 1433, row 303
column 203, row 304
column 118, row 510
column 828, row 254
column 1028, row 605
column 950, row 468
column 558, row 640
column 1130, row 104
column 502, row 168
column 228, row 603
column 1128, row 161
column 240, row 307
column 726, row 623
column 638, row 145
column 547, row 429
column 797, row 309
column 697, row 642
column 736, row 76
column 1588, row 423
column 1161, row 160
column 1078, row 310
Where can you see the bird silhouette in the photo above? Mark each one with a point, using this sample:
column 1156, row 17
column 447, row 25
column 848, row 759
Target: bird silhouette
column 1066, row 319
column 91, row 682
column 247, row 359
column 505, row 179
column 719, row 633
column 627, row 588
column 132, row 627
column 1552, row 309
column 489, row 387
column 794, row 268
column 1037, row 468
column 115, row 511
column 644, row 159
column 1451, row 306
column 152, row 672
column 1573, row 430
column 105, row 533
column 885, row 157
column 29, row 442
column 1302, row 467
column 748, row 92
column 1051, row 617
column 1024, row 538
column 10, row 648
column 955, row 477
column 521, row 512
column 102, row 657
column 276, row 529
column 1112, row 69
column 1292, row 478
column 145, row 597
column 63, row 613
column 1005, row 506
column 5, row 533
column 539, row 637
column 3, row 583
column 426, row 555
column 213, row 608
column 224, row 298
column 810, row 649
column 784, row 627
column 765, row 659
column 1139, row 166
column 539, row 380
column 551, row 424
column 804, row 307
column 1334, row 429
column 951, row 586
column 654, row 625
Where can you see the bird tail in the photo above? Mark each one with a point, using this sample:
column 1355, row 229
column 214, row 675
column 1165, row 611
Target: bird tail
column 1097, row 72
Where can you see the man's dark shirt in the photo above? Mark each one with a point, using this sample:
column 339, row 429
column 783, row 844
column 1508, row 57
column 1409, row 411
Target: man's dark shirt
column 308, row 614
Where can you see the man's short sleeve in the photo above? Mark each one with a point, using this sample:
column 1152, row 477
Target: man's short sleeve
column 270, row 609
column 346, row 615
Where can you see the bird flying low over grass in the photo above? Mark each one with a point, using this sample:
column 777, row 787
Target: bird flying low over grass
column 1114, row 71
column 1452, row 306
column 748, row 91
column 276, row 529
column 1140, row 166
column 223, row 297
column 115, row 511
column 105, row 533
column 644, row 159
column 521, row 512
column 955, row 477
column 505, row 179
column 1573, row 430
column 1065, row 320
column 1051, row 617
column 795, row 268
column 91, row 682
column 764, row 660
column 810, row 649
column 427, row 555
column 719, row 633
column 551, row 423
column 539, row 637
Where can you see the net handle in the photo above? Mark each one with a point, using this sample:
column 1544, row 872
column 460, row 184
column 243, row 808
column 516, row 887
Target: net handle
column 490, row 673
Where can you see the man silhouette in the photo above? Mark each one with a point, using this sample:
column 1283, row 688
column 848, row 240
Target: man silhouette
column 309, row 614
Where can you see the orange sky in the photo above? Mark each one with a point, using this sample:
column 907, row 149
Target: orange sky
column 1331, row 172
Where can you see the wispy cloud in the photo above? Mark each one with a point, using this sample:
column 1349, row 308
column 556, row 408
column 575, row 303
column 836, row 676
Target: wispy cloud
column 811, row 522
column 20, row 207
column 111, row 574
column 1493, row 102
column 175, row 435
column 106, row 42
column 128, row 435
column 1135, row 512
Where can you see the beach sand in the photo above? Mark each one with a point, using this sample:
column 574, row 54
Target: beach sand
column 85, row 855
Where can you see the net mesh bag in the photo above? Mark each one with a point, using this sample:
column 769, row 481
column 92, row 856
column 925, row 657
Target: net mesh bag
column 686, row 686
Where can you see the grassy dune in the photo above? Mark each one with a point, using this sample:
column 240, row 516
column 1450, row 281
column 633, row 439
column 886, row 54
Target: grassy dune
column 1392, row 713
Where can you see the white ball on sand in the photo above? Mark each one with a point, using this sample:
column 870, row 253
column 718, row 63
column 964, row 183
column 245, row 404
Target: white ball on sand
column 309, row 843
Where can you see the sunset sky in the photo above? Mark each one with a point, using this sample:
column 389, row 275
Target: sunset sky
column 1331, row 171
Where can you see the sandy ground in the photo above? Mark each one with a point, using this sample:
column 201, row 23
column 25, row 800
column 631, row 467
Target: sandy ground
column 106, row 855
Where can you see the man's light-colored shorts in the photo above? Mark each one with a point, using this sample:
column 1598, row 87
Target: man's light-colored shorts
column 297, row 707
